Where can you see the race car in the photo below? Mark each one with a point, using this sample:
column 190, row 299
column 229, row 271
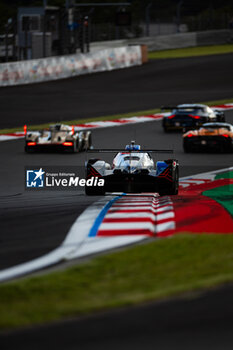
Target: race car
column 211, row 136
column 190, row 116
column 57, row 137
column 133, row 170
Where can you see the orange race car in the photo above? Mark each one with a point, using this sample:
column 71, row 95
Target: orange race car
column 211, row 136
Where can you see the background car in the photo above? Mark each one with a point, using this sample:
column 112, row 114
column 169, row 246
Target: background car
column 134, row 170
column 57, row 137
column 211, row 136
column 190, row 116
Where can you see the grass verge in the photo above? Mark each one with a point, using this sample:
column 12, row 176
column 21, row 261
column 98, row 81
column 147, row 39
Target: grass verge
column 110, row 117
column 192, row 51
column 86, row 120
column 157, row 270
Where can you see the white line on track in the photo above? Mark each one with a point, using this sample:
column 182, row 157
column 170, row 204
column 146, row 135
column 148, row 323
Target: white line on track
column 73, row 241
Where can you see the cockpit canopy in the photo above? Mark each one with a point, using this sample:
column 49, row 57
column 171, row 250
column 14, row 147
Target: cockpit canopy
column 132, row 162
column 131, row 158
column 132, row 147
column 217, row 126
column 59, row 127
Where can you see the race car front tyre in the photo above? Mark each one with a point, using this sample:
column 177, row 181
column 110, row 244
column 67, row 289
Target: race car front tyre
column 74, row 148
column 89, row 142
column 174, row 187
column 166, row 129
column 175, row 184
column 78, row 146
column 186, row 147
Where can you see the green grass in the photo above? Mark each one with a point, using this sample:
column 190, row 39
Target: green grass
column 223, row 195
column 192, row 51
column 157, row 270
column 110, row 117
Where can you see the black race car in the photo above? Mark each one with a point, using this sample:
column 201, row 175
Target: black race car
column 190, row 116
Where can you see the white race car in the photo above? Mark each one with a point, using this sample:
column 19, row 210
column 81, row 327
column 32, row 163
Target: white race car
column 133, row 170
column 57, row 137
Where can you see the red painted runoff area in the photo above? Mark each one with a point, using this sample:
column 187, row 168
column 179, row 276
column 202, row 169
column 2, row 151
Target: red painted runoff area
column 190, row 211
column 201, row 214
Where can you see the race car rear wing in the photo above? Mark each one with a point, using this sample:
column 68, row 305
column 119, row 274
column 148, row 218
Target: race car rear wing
column 25, row 128
column 164, row 108
column 116, row 150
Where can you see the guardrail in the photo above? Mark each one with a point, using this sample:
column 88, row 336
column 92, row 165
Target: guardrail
column 173, row 41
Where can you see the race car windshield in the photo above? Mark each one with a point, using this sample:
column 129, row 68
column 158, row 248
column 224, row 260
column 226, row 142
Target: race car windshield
column 188, row 110
column 55, row 127
column 215, row 126
column 131, row 158
column 58, row 129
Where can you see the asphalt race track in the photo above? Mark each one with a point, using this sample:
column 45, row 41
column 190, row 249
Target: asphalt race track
column 149, row 86
column 194, row 322
column 33, row 224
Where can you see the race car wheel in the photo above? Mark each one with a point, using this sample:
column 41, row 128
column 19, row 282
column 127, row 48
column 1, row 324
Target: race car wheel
column 173, row 189
column 89, row 142
column 79, row 145
column 93, row 190
column 175, row 184
column 165, row 129
column 186, row 147
column 74, row 148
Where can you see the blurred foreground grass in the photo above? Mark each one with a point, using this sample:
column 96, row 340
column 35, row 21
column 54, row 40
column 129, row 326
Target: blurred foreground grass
column 192, row 51
column 157, row 270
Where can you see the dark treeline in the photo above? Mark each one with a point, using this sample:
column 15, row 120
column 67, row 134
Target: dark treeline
column 164, row 10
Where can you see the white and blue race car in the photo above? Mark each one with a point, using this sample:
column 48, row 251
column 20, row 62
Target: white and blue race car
column 133, row 170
